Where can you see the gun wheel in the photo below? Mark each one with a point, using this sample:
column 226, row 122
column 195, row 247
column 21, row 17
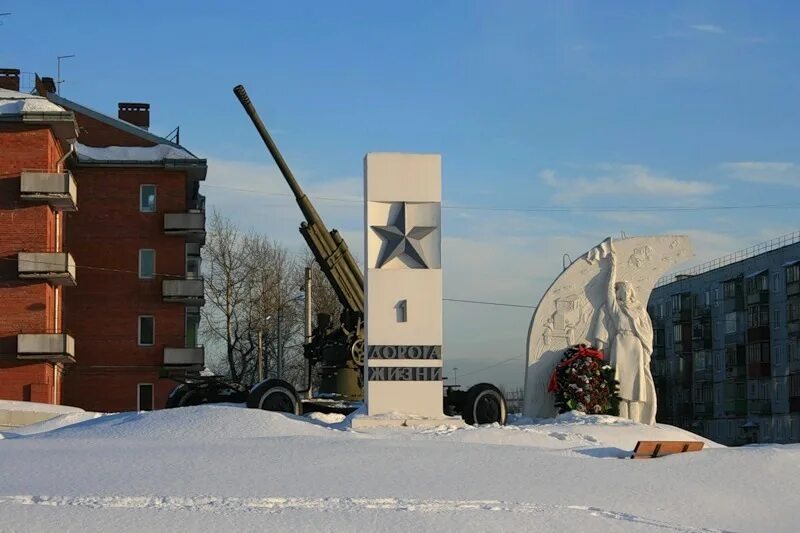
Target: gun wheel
column 357, row 352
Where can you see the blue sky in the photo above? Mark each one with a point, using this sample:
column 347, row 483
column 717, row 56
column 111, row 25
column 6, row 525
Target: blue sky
column 567, row 104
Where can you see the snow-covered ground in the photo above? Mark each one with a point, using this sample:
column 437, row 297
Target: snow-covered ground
column 229, row 468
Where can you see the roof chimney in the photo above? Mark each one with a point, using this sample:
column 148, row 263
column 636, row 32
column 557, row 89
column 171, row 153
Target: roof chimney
column 137, row 114
column 44, row 85
column 9, row 79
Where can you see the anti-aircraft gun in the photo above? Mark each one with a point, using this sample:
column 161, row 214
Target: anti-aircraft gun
column 337, row 349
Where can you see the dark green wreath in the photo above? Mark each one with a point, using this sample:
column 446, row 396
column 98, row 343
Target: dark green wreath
column 583, row 381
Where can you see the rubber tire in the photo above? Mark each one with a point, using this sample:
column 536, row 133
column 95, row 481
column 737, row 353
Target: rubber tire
column 174, row 398
column 484, row 404
column 289, row 403
column 194, row 397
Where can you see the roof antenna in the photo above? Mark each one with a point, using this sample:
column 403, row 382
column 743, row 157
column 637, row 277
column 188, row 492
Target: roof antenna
column 59, row 81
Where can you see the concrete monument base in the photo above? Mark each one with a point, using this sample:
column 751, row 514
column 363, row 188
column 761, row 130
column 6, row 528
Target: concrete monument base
column 379, row 421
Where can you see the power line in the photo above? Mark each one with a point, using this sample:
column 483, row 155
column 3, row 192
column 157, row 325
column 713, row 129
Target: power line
column 542, row 209
column 493, row 365
column 479, row 302
column 182, row 276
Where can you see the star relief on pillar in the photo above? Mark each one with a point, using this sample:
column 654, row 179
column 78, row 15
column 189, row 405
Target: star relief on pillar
column 403, row 239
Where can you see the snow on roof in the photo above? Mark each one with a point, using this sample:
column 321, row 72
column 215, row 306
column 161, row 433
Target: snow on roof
column 131, row 153
column 17, row 103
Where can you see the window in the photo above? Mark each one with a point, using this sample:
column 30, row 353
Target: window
column 147, row 330
column 793, row 351
column 676, row 303
column 699, row 361
column 793, row 273
column 758, row 352
column 793, row 311
column 144, row 396
column 147, row 198
column 729, row 288
column 677, row 333
column 707, row 298
column 192, row 326
column 147, row 264
column 716, row 297
column 777, row 318
column 192, row 260
column 730, row 322
column 757, row 283
column 778, row 354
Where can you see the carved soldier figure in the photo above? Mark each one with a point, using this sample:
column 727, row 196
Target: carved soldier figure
column 623, row 329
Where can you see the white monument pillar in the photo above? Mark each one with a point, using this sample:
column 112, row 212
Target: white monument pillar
column 402, row 262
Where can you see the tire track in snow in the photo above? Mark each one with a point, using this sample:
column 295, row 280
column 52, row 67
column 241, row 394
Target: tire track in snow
column 279, row 504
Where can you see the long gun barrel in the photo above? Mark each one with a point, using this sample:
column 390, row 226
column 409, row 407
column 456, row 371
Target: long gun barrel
column 329, row 249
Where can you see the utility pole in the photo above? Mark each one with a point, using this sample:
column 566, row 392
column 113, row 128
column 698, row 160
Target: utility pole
column 260, row 366
column 280, row 346
column 260, row 356
column 307, row 332
column 455, row 376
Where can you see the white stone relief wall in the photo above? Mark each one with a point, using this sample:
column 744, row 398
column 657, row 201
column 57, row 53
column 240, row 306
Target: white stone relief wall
column 578, row 308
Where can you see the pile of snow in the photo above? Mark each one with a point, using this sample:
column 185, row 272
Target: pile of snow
column 51, row 424
column 17, row 103
column 208, row 422
column 13, row 405
column 158, row 152
column 206, row 467
column 591, row 435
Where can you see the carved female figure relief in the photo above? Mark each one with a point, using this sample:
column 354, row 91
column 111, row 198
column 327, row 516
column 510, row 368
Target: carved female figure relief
column 587, row 303
column 623, row 330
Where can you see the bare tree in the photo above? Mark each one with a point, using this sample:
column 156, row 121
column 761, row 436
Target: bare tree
column 227, row 271
column 253, row 285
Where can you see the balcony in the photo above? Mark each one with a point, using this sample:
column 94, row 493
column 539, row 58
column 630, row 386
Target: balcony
column 736, row 371
column 736, row 407
column 759, row 407
column 682, row 315
column 58, row 189
column 705, row 374
column 185, row 290
column 56, row 347
column 185, row 357
column 704, row 409
column 758, row 334
column 702, row 311
column 56, row 267
column 757, row 297
column 191, row 225
column 759, row 369
column 793, row 288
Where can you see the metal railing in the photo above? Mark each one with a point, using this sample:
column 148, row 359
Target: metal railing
column 735, row 257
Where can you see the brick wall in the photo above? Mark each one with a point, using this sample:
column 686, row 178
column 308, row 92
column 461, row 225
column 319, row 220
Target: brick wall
column 27, row 306
column 96, row 133
column 102, row 312
column 27, row 381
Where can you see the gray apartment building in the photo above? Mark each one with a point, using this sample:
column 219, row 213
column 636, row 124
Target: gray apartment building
column 726, row 355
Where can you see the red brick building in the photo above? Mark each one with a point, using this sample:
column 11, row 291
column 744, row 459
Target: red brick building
column 131, row 319
column 36, row 192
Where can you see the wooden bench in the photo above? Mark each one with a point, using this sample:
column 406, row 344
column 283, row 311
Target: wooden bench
column 649, row 449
